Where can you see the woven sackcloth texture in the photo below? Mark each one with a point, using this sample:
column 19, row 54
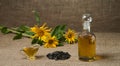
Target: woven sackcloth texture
column 106, row 13
column 108, row 46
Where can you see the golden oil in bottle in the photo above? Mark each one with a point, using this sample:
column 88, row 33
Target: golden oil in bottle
column 87, row 47
column 86, row 41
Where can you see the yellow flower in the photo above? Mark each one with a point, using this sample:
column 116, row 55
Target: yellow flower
column 41, row 33
column 51, row 42
column 70, row 36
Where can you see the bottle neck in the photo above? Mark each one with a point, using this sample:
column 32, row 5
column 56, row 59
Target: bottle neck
column 86, row 26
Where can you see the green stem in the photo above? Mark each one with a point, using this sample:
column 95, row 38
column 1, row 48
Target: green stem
column 16, row 32
column 1, row 27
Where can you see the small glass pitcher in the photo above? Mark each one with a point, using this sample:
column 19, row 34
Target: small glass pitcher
column 31, row 51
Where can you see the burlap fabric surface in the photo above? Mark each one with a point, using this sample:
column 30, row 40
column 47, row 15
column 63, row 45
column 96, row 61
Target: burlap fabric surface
column 107, row 45
column 106, row 13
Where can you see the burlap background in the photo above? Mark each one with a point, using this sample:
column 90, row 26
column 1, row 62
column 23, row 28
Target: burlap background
column 107, row 46
column 106, row 13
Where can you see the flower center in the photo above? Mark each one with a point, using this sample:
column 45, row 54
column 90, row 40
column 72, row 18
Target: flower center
column 50, row 41
column 70, row 35
column 41, row 33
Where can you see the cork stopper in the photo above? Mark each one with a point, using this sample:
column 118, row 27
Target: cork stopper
column 87, row 19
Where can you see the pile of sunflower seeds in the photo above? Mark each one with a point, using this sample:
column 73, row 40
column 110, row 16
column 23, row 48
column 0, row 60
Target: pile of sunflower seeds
column 58, row 55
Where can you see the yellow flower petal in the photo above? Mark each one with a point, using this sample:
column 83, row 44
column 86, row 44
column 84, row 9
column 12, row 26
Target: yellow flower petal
column 51, row 42
column 41, row 32
column 70, row 36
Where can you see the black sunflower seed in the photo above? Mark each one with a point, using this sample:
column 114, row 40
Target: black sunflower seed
column 58, row 55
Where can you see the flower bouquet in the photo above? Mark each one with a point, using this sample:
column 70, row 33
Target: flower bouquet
column 43, row 35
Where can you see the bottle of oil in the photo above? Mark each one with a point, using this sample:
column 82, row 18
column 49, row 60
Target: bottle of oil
column 86, row 41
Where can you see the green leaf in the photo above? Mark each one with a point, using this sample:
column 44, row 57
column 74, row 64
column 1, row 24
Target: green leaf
column 37, row 17
column 37, row 41
column 34, row 41
column 62, row 39
column 59, row 32
column 18, row 36
column 40, row 42
column 60, row 44
column 29, row 33
column 1, row 27
column 63, row 27
column 60, row 29
column 5, row 30
column 23, row 28
column 56, row 29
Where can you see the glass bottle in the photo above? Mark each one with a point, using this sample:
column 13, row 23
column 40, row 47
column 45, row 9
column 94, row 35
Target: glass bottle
column 86, row 40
